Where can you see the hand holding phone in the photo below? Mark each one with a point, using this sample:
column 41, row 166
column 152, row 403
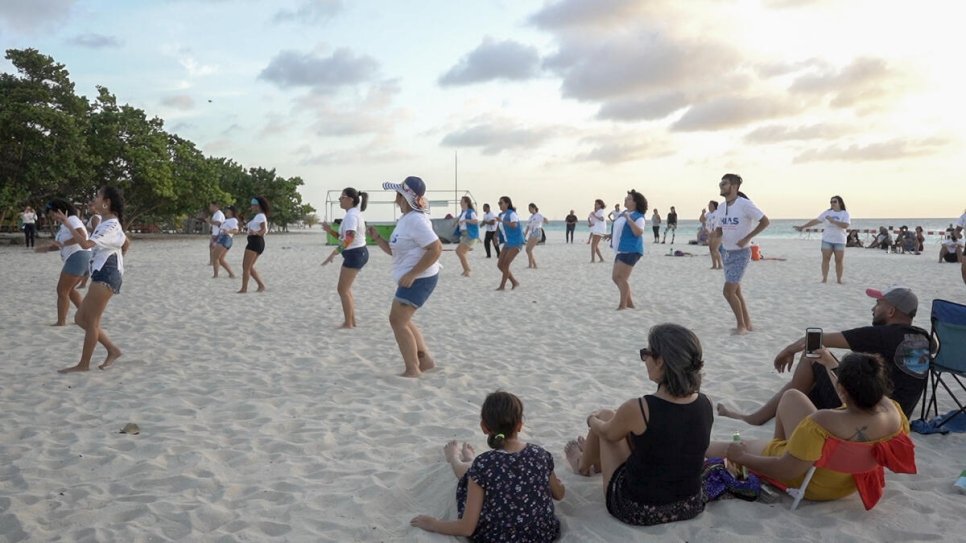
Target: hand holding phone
column 813, row 342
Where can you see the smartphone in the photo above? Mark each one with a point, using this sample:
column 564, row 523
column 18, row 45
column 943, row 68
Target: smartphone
column 813, row 342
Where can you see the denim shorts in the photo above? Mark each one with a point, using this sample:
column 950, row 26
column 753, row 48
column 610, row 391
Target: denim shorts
column 628, row 258
column 417, row 294
column 78, row 264
column 225, row 241
column 108, row 274
column 536, row 234
column 734, row 263
column 827, row 246
column 355, row 258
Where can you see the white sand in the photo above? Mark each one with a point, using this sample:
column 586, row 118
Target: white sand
column 260, row 420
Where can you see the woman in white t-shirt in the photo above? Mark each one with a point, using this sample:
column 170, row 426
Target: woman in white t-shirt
column 93, row 220
column 836, row 221
column 76, row 259
column 109, row 246
column 714, row 240
column 533, row 233
column 598, row 229
column 468, row 225
column 415, row 251
column 257, row 228
column 29, row 220
column 352, row 246
column 224, row 240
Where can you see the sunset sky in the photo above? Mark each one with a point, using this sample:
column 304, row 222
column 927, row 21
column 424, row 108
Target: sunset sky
column 557, row 102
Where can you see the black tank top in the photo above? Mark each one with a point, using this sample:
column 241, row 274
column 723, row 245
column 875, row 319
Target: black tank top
column 666, row 460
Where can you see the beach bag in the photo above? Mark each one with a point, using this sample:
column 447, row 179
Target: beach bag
column 720, row 483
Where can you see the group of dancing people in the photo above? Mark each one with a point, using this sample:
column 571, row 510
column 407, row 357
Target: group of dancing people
column 655, row 455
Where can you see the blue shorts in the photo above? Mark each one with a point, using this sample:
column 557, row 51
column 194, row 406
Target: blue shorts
column 108, row 274
column 224, row 240
column 78, row 264
column 536, row 234
column 734, row 263
column 628, row 258
column 827, row 246
column 355, row 258
column 417, row 294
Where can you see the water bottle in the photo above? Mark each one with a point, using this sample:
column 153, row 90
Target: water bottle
column 960, row 483
column 736, row 437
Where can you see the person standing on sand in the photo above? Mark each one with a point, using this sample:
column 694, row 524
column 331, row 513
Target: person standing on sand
column 352, row 246
column 736, row 220
column 672, row 225
column 469, row 229
column 76, row 259
column 223, row 243
column 571, row 226
column 92, row 221
column 628, row 242
column 598, row 229
column 533, row 234
column 217, row 217
column 834, row 236
column 415, row 250
column 491, row 224
column 29, row 220
column 714, row 241
column 513, row 233
column 257, row 228
column 109, row 246
column 656, row 226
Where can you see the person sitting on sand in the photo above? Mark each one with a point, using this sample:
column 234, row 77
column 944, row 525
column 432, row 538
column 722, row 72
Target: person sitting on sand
column 891, row 336
column 651, row 450
column 504, row 494
column 952, row 248
column 853, row 239
column 883, row 240
column 867, row 415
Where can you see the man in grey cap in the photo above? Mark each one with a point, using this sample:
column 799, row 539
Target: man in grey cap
column 904, row 347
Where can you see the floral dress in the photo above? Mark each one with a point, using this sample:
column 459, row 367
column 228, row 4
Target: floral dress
column 517, row 505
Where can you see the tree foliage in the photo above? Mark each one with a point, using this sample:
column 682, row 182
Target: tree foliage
column 55, row 143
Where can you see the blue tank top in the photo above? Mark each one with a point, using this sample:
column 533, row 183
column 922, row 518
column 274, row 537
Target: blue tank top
column 629, row 242
column 514, row 236
column 472, row 230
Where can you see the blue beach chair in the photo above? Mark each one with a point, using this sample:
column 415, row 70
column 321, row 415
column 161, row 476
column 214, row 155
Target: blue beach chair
column 949, row 332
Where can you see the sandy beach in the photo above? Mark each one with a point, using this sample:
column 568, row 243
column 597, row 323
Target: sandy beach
column 261, row 421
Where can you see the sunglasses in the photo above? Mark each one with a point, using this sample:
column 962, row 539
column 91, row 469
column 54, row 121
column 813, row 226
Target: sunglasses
column 646, row 352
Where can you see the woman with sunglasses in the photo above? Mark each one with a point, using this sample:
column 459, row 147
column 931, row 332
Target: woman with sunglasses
column 651, row 468
column 352, row 245
column 836, row 223
column 257, row 228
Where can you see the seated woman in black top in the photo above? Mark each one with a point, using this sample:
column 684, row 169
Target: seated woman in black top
column 651, row 450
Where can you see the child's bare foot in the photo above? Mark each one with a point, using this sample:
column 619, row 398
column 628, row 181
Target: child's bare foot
column 426, row 361
column 76, row 368
column 467, row 453
column 451, row 451
column 110, row 358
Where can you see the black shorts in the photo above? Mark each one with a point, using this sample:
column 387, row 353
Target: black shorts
column 256, row 244
column 951, row 257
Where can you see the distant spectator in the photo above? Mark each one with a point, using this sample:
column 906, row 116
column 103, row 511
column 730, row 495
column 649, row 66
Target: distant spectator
column 883, row 240
column 920, row 239
column 853, row 239
column 952, row 248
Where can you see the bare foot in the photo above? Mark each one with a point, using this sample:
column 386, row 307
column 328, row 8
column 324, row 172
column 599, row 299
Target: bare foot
column 573, row 452
column 73, row 369
column 740, row 331
column 410, row 374
column 346, row 326
column 59, row 324
column 500, row 288
column 725, row 411
column 630, row 305
column 466, row 273
column 110, row 358
column 450, row 451
column 231, row 276
column 515, row 284
column 260, row 289
column 467, row 453
column 242, row 291
column 426, row 361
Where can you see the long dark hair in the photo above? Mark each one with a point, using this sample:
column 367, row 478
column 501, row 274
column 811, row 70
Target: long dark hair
column 640, row 202
column 509, row 203
column 681, row 351
column 502, row 412
column 713, row 203
column 263, row 204
column 62, row 205
column 841, row 202
column 469, row 202
column 865, row 378
column 117, row 201
column 357, row 198
column 599, row 204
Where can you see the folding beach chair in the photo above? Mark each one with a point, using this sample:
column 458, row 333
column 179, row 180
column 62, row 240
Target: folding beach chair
column 949, row 332
column 863, row 460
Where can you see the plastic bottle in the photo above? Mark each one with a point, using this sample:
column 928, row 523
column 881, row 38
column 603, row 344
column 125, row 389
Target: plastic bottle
column 736, row 437
column 960, row 483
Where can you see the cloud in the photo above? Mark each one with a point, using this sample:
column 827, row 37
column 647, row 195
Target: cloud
column 376, row 151
column 614, row 149
column 494, row 137
column 582, row 13
column 180, row 101
column 95, row 41
column 370, row 114
column 646, row 109
column 342, row 68
column 778, row 133
column 275, row 125
column 732, row 111
column 310, row 11
column 863, row 80
column 896, row 149
column 29, row 15
column 493, row 60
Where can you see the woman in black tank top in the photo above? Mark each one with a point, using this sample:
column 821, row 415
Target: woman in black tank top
column 651, row 450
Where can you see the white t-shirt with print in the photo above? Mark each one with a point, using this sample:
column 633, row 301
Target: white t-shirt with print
column 217, row 217
column 711, row 220
column 353, row 222
column 831, row 232
column 598, row 223
column 255, row 224
column 412, row 234
column 951, row 245
column 66, row 233
column 535, row 222
column 490, row 216
column 737, row 221
column 228, row 226
column 108, row 239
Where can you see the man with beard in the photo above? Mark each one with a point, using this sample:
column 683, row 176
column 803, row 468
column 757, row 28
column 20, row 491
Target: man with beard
column 905, row 349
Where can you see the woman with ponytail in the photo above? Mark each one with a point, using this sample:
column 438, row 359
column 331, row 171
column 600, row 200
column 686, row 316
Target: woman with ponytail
column 505, row 494
column 76, row 259
column 867, row 415
column 109, row 245
column 651, row 450
column 352, row 246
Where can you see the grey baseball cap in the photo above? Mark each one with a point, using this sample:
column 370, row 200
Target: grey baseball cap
column 901, row 298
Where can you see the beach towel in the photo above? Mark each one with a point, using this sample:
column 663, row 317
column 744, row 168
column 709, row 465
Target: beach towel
column 955, row 424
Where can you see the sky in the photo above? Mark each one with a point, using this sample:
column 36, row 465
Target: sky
column 555, row 102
